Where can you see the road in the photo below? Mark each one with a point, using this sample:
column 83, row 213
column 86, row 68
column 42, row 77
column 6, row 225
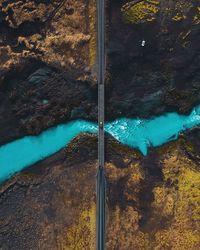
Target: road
column 101, row 182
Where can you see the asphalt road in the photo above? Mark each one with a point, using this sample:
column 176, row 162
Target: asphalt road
column 101, row 182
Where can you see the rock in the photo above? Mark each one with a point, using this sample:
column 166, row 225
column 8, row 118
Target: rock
column 39, row 75
column 78, row 112
column 169, row 59
column 48, row 53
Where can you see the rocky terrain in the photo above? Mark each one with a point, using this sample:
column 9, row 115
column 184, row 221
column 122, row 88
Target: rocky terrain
column 48, row 55
column 47, row 64
column 48, row 76
column 164, row 74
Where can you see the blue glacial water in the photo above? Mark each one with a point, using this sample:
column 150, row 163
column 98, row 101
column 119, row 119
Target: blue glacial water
column 24, row 152
column 141, row 134
column 136, row 133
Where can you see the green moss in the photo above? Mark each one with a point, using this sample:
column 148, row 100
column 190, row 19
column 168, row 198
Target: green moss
column 183, row 175
column 176, row 240
column 178, row 198
column 196, row 17
column 144, row 11
column 122, row 230
column 178, row 17
column 181, row 9
column 82, row 234
column 189, row 194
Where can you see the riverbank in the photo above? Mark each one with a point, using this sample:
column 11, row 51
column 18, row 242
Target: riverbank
column 155, row 197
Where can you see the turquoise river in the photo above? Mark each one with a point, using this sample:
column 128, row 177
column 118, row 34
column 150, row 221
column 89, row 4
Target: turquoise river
column 136, row 133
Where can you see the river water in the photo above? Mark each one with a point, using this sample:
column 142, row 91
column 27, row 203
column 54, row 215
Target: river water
column 136, row 133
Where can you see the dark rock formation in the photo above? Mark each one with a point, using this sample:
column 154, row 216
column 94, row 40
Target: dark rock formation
column 45, row 97
column 164, row 74
column 47, row 58
column 48, row 53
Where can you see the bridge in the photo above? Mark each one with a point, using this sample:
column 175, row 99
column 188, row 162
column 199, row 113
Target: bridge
column 101, row 182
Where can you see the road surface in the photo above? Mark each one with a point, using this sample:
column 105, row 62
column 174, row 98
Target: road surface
column 101, row 183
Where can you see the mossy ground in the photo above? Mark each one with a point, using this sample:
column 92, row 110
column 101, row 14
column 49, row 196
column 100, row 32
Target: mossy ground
column 143, row 11
column 171, row 217
column 179, row 199
column 146, row 11
column 82, row 234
